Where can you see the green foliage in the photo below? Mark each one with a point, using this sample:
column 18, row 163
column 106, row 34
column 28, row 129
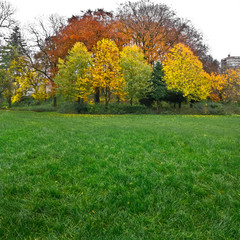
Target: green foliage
column 119, row 177
column 73, row 107
column 159, row 91
column 136, row 72
column 73, row 79
column 113, row 108
column 10, row 53
column 159, row 86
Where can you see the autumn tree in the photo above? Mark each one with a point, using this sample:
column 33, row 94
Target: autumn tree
column 136, row 72
column 9, row 53
column 184, row 72
column 225, row 87
column 151, row 26
column 106, row 71
column 6, row 17
column 7, row 86
column 232, row 88
column 73, row 78
column 88, row 28
column 27, row 79
column 218, row 84
column 41, row 51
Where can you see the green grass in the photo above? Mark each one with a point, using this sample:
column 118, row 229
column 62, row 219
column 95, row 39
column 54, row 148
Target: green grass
column 119, row 177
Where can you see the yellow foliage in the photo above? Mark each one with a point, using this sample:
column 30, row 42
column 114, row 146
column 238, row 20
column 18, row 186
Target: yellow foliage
column 106, row 71
column 27, row 79
column 184, row 72
column 73, row 79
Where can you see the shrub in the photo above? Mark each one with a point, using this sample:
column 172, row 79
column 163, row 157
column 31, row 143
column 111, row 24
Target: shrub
column 67, row 107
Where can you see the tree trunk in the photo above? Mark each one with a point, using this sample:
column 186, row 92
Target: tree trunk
column 191, row 105
column 97, row 95
column 179, row 105
column 106, row 102
column 79, row 100
column 131, row 101
column 9, row 102
column 157, row 107
column 54, row 100
column 118, row 99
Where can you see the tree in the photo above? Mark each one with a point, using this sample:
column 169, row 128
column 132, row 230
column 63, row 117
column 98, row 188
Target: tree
column 73, row 80
column 106, row 71
column 184, row 72
column 218, row 84
column 159, row 86
column 27, row 79
column 159, row 91
column 7, row 86
column 225, row 86
column 41, row 55
column 136, row 72
column 6, row 15
column 8, row 54
column 88, row 28
column 232, row 88
column 151, row 26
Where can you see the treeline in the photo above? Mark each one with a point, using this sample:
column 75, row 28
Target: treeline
column 142, row 53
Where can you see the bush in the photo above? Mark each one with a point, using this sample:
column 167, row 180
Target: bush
column 26, row 101
column 66, row 107
column 209, row 108
column 116, row 108
column 73, row 107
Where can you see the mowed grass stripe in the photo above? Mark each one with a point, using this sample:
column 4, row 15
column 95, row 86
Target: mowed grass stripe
column 119, row 177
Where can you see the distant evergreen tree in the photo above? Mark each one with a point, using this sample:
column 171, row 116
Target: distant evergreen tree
column 14, row 49
column 16, row 43
column 159, row 86
column 159, row 91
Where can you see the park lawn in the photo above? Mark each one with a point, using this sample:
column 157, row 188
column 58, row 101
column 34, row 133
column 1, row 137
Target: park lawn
column 119, row 177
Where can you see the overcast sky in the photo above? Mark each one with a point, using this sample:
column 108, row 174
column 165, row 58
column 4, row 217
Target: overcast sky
column 218, row 20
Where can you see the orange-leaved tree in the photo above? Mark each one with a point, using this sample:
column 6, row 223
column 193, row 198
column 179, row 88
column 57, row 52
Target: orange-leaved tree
column 218, row 84
column 89, row 28
column 225, row 86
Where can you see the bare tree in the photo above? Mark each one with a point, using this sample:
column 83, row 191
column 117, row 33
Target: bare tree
column 6, row 14
column 153, row 27
column 42, row 46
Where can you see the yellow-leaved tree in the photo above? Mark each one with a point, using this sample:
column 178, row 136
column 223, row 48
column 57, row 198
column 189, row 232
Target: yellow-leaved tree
column 184, row 72
column 106, row 71
column 73, row 79
column 27, row 80
column 136, row 72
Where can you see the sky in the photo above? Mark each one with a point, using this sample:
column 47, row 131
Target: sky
column 218, row 20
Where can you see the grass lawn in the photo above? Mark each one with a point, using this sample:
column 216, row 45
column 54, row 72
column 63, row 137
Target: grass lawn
column 119, row 177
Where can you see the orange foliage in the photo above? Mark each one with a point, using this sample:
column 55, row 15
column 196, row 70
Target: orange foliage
column 225, row 87
column 89, row 28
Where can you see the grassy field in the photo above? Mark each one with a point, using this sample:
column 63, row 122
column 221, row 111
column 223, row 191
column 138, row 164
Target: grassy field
column 119, row 177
